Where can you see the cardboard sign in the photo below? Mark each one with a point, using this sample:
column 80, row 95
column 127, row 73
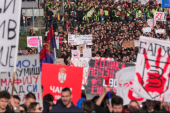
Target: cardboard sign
column 75, row 53
column 150, row 22
column 57, row 42
column 160, row 16
column 143, row 2
column 160, row 31
column 84, row 62
column 125, row 78
column 87, row 53
column 98, row 69
column 27, row 78
column 60, row 61
column 80, row 39
column 24, row 51
column 62, row 76
column 81, row 47
column 137, row 43
column 32, row 41
column 10, row 12
column 146, row 29
column 128, row 44
column 152, row 69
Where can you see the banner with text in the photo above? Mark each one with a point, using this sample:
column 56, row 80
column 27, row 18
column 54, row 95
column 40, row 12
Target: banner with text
column 84, row 62
column 27, row 78
column 125, row 78
column 128, row 44
column 32, row 41
column 62, row 76
column 152, row 79
column 160, row 31
column 80, row 39
column 9, row 33
column 98, row 69
column 59, row 61
column 160, row 16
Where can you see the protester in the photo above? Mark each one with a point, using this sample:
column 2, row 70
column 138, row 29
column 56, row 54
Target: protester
column 29, row 98
column 88, row 106
column 47, row 102
column 17, row 100
column 34, row 107
column 4, row 100
column 66, row 105
column 22, row 23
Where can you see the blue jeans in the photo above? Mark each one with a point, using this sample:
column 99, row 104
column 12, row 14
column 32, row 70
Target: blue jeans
column 102, row 19
column 61, row 19
column 22, row 29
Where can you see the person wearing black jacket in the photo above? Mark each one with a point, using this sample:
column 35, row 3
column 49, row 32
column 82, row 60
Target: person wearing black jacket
column 4, row 99
column 50, row 13
column 54, row 22
column 66, row 105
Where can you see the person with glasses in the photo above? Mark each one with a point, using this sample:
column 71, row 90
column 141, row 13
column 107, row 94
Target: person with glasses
column 34, row 107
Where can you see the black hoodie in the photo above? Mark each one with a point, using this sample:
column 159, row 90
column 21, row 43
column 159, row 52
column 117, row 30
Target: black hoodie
column 62, row 108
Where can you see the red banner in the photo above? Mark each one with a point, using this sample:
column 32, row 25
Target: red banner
column 55, row 77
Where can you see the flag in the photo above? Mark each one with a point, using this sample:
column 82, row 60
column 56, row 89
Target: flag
column 48, row 54
column 39, row 45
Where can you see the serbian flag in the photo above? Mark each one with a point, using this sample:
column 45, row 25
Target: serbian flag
column 48, row 54
column 156, row 2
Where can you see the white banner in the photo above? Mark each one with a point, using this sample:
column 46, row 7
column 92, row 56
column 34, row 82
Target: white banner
column 146, row 29
column 57, row 42
column 150, row 23
column 160, row 31
column 27, row 79
column 80, row 39
column 82, row 62
column 160, row 16
column 87, row 53
column 159, row 1
column 152, row 69
column 75, row 53
column 10, row 12
column 125, row 78
column 144, row 2
column 32, row 41
column 137, row 43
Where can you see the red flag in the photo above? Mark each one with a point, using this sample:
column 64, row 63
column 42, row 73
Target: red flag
column 56, row 77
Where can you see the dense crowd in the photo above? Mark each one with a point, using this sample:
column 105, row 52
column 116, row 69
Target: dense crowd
column 99, row 104
column 110, row 23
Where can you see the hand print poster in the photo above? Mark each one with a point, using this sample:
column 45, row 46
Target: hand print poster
column 125, row 78
column 152, row 69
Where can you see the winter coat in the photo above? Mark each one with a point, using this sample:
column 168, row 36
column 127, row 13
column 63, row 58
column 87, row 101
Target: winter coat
column 60, row 108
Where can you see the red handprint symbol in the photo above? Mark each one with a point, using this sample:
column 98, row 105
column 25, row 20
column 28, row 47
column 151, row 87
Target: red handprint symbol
column 156, row 80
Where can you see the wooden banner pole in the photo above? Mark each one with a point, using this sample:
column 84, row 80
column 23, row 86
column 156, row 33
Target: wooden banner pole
column 13, row 81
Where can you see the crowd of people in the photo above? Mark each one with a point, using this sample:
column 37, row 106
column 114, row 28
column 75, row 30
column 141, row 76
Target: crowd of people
column 110, row 23
column 99, row 104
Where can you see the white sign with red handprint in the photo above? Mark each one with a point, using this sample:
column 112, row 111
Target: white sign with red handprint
column 153, row 70
column 125, row 78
